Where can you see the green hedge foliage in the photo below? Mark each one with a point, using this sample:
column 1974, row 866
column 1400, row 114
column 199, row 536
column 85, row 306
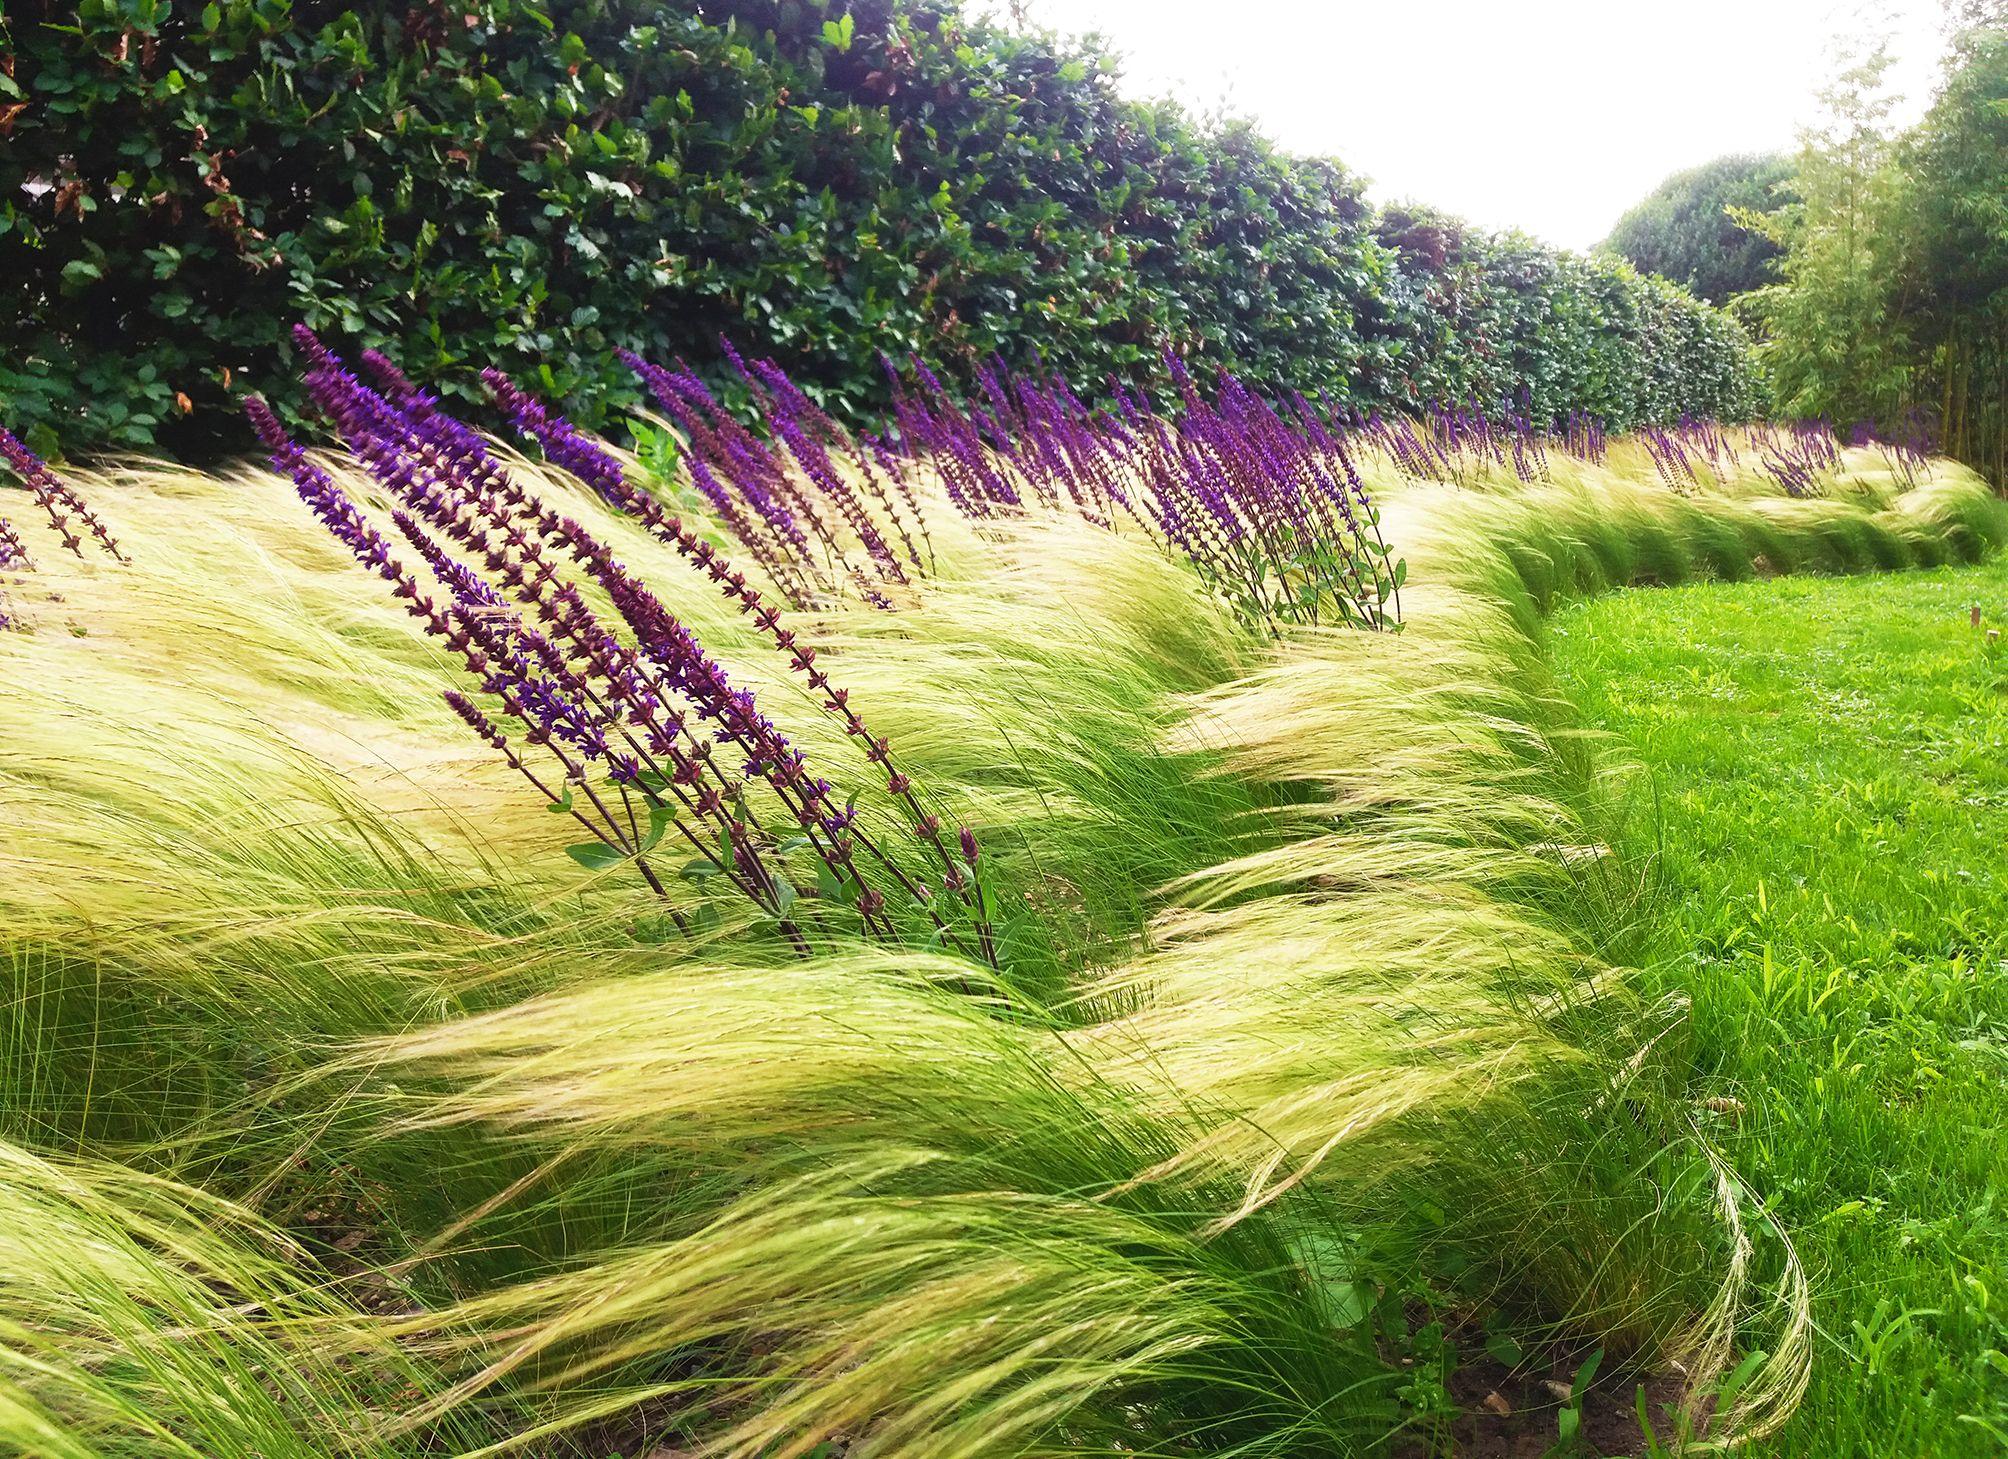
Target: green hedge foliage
column 530, row 183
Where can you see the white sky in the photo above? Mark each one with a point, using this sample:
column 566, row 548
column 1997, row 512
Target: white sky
column 1548, row 115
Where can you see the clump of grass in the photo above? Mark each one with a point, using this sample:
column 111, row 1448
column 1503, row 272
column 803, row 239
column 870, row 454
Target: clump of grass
column 142, row 1317
column 1312, row 1024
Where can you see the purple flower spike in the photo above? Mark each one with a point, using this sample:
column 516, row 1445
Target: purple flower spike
column 646, row 735
column 562, row 442
column 816, row 525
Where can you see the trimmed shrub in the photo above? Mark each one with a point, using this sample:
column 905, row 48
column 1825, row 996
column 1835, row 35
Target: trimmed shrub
column 531, row 184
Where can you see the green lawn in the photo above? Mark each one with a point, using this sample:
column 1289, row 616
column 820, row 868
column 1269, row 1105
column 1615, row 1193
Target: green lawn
column 1830, row 763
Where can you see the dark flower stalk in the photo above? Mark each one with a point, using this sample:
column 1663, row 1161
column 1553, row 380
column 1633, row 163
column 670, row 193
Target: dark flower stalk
column 1270, row 512
column 551, row 700
column 331, row 505
column 484, row 730
column 780, row 571
column 814, row 439
column 798, row 464
column 1670, row 458
column 1798, row 456
column 612, row 677
column 918, row 438
column 549, row 695
column 55, row 497
column 502, row 671
column 655, row 626
column 900, row 488
column 1583, row 437
column 1905, row 452
column 931, row 424
column 737, row 460
column 613, row 486
column 13, row 555
column 815, row 463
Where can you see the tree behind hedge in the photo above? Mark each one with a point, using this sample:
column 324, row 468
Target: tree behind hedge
column 1955, row 246
column 532, row 184
column 1684, row 230
column 1892, row 305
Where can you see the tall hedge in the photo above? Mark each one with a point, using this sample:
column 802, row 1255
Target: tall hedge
column 530, row 183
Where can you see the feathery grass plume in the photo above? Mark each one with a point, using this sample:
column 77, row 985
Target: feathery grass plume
column 64, row 507
column 1492, row 1100
column 1325, row 1008
column 1383, row 1015
column 142, row 1317
column 901, row 1137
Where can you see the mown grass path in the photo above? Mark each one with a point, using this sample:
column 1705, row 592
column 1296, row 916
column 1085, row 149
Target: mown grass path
column 1828, row 763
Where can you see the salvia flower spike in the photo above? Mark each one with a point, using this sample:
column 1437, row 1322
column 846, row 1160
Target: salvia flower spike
column 1271, row 513
column 13, row 555
column 64, row 507
column 634, row 725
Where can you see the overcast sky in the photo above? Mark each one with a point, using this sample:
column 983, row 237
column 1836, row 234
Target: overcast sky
column 1549, row 115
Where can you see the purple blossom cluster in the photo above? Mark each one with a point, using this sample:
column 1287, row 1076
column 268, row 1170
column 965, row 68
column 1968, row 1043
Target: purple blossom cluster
column 1265, row 501
column 1457, row 444
column 1671, row 459
column 822, row 511
column 1267, row 507
column 1682, row 451
column 1270, row 510
column 1906, row 448
column 1799, row 455
column 1584, row 437
column 1711, row 441
column 1465, row 433
column 1461, row 442
column 1026, row 440
column 1415, row 452
column 624, row 722
column 68, row 513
